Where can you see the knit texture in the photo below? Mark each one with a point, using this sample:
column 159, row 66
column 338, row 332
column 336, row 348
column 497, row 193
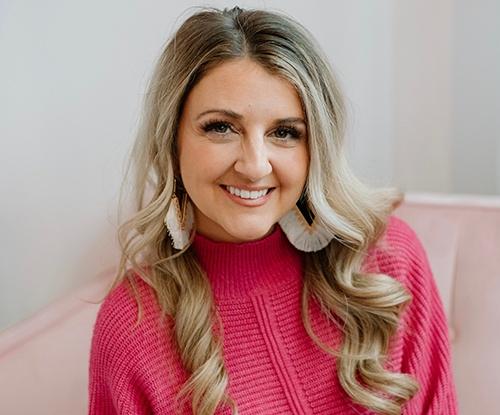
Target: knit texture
column 273, row 365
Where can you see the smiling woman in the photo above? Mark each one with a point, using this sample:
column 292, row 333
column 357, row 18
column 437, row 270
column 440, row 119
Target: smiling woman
column 260, row 276
column 258, row 132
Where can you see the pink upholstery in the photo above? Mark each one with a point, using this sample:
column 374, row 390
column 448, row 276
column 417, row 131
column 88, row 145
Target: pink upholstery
column 462, row 238
column 43, row 360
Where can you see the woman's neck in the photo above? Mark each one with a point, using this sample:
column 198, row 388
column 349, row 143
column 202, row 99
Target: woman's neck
column 245, row 268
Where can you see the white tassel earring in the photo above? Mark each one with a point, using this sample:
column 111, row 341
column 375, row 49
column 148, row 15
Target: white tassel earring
column 302, row 230
column 179, row 220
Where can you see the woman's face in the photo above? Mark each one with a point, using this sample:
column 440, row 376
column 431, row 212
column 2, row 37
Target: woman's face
column 245, row 128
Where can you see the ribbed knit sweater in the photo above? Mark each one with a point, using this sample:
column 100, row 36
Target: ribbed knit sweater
column 273, row 365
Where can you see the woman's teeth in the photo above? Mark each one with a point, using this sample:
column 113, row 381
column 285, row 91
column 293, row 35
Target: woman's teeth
column 245, row 194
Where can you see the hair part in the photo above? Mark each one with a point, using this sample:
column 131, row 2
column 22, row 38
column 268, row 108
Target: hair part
column 367, row 307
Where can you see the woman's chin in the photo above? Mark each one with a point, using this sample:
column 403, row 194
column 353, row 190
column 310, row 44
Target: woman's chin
column 250, row 233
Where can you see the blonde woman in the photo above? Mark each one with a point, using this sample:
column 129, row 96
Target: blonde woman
column 258, row 276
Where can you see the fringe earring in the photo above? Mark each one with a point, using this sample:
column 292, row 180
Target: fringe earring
column 179, row 220
column 302, row 230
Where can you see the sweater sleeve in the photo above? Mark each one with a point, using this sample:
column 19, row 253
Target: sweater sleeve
column 113, row 386
column 425, row 348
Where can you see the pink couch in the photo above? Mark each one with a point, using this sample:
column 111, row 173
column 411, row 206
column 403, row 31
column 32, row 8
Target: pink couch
column 43, row 360
column 462, row 238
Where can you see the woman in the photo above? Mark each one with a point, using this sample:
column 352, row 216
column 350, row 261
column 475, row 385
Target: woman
column 258, row 276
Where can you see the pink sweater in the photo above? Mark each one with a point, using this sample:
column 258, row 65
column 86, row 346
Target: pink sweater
column 273, row 365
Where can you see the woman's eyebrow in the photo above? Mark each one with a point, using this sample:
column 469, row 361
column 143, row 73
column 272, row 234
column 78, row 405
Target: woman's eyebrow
column 237, row 116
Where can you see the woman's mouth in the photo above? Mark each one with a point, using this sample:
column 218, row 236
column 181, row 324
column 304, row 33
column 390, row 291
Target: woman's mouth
column 248, row 198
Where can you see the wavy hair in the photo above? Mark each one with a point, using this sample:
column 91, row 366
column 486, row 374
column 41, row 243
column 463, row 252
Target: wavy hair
column 366, row 306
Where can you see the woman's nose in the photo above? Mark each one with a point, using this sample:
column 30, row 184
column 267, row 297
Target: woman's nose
column 253, row 161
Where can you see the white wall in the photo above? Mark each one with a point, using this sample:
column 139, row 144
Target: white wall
column 447, row 100
column 422, row 109
column 497, row 167
column 72, row 75
column 476, row 97
column 71, row 79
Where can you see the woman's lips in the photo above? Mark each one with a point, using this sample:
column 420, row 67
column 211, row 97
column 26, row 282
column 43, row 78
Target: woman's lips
column 248, row 202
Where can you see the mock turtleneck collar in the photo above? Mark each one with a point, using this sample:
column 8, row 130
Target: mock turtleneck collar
column 240, row 269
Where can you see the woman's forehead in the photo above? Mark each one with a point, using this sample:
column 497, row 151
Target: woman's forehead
column 245, row 88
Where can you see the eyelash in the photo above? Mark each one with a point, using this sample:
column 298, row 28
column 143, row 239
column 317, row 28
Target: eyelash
column 212, row 124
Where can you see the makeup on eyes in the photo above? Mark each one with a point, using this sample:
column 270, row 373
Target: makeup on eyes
column 212, row 125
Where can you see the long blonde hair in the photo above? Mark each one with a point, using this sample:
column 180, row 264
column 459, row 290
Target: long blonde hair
column 368, row 306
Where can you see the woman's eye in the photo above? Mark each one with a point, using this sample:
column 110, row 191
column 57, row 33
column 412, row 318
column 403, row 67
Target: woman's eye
column 287, row 132
column 218, row 127
column 283, row 133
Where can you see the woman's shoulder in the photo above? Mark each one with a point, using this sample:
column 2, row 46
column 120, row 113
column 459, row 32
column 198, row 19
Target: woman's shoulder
column 399, row 237
column 117, row 328
column 400, row 254
column 132, row 358
column 421, row 348
column 120, row 304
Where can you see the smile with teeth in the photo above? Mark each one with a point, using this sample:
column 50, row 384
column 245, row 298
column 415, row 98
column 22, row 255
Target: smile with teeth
column 246, row 194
